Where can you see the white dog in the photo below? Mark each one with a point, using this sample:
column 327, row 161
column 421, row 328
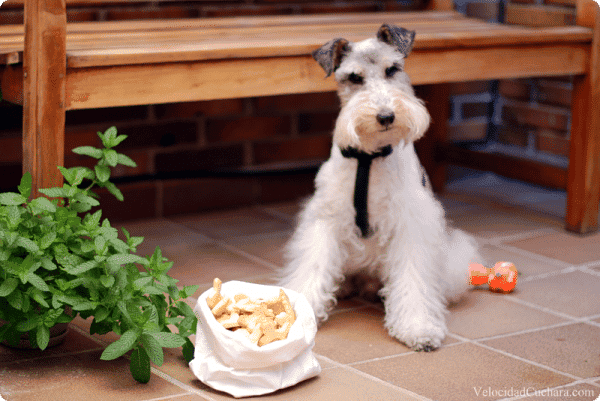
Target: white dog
column 372, row 211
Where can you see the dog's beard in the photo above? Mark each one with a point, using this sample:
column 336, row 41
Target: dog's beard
column 357, row 124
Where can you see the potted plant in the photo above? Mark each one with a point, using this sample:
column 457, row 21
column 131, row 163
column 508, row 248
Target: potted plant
column 57, row 262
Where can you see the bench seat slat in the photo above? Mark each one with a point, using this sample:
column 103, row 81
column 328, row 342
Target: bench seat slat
column 118, row 43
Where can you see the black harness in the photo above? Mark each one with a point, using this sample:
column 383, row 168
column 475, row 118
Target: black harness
column 361, row 186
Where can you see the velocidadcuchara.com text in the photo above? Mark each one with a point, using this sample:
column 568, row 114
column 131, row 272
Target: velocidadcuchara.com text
column 532, row 392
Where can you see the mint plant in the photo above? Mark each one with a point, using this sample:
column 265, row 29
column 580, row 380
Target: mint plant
column 56, row 264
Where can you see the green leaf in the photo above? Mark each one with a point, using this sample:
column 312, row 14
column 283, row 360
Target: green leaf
column 48, row 264
column 39, row 298
column 15, row 299
column 188, row 350
column 25, row 186
column 37, row 282
column 168, row 340
column 112, row 188
column 111, row 157
column 47, row 239
column 153, row 348
column 28, row 324
column 120, row 347
column 139, row 365
column 43, row 204
column 8, row 286
column 88, row 151
column 55, row 192
column 42, row 336
column 125, row 160
column 107, row 281
column 81, row 197
column 190, row 290
column 121, row 259
column 102, row 173
column 12, row 199
column 83, row 267
column 28, row 244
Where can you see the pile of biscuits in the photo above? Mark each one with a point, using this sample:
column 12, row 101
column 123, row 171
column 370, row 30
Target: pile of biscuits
column 261, row 321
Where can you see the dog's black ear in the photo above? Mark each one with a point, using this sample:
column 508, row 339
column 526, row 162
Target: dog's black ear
column 330, row 55
column 400, row 38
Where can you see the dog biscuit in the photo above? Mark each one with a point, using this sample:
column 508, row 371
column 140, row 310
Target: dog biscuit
column 261, row 321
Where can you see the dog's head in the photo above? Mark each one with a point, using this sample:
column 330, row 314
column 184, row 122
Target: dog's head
column 378, row 103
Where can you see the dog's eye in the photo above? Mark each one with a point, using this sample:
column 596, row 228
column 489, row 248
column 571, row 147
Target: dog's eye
column 391, row 71
column 355, row 79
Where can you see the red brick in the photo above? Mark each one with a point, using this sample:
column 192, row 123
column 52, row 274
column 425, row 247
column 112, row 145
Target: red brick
column 296, row 103
column 211, row 108
column 286, row 187
column 536, row 15
column 471, row 110
column 164, row 135
column 196, row 195
column 202, row 159
column 464, row 88
column 11, row 117
column 247, row 128
column 471, row 130
column 12, row 149
column 11, row 17
column 553, row 142
column 538, row 116
column 403, row 6
column 75, row 136
column 81, row 15
column 515, row 89
column 485, row 11
column 313, row 147
column 316, row 123
column 140, row 202
column 10, row 176
column 554, row 92
column 513, row 135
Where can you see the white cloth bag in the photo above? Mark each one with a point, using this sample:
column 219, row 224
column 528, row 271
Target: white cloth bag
column 228, row 362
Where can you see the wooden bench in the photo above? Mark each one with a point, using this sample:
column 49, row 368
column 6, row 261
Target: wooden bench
column 51, row 66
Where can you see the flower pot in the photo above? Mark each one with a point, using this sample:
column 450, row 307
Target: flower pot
column 58, row 332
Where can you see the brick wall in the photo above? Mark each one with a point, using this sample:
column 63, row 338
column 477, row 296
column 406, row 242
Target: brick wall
column 532, row 116
column 228, row 153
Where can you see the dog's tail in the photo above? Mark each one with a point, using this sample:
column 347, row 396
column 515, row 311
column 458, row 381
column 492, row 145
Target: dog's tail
column 462, row 250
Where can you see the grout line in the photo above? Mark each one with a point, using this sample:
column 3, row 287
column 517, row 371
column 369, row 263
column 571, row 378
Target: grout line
column 180, row 384
column 526, row 331
column 543, row 309
column 168, row 397
column 532, row 255
column 500, row 239
column 549, row 274
column 539, row 365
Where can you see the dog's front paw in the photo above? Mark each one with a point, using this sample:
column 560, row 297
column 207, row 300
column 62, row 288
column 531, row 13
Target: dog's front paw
column 426, row 345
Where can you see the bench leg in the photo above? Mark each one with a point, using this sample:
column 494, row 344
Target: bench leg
column 583, row 188
column 44, row 70
column 436, row 99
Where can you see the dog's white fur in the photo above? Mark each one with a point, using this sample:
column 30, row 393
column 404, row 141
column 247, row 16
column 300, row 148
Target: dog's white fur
column 421, row 262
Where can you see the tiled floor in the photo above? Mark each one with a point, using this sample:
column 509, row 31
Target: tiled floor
column 541, row 342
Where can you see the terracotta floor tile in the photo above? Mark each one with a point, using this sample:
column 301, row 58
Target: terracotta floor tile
column 74, row 342
column 575, row 293
column 337, row 384
column 579, row 392
column 79, row 377
column 571, row 349
column 287, row 210
column 569, row 248
column 457, row 372
column 343, row 337
column 269, row 247
column 528, row 266
column 489, row 223
column 235, row 223
column 205, row 262
column 483, row 313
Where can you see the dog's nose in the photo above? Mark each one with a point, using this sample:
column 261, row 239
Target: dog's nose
column 385, row 119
